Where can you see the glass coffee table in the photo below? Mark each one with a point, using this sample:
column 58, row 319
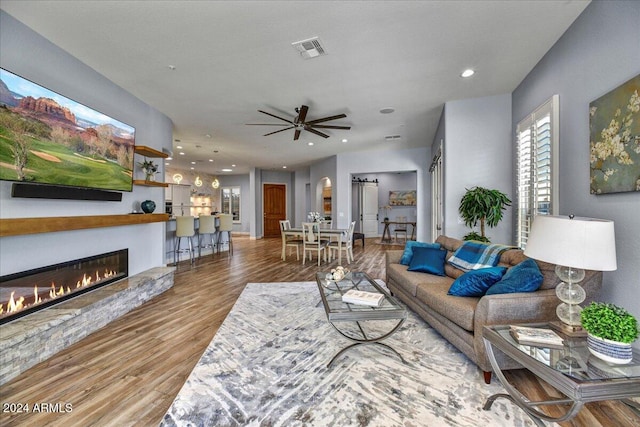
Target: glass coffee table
column 362, row 324
column 572, row 370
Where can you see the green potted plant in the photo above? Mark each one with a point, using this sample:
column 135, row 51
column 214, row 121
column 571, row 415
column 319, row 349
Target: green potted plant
column 485, row 206
column 611, row 331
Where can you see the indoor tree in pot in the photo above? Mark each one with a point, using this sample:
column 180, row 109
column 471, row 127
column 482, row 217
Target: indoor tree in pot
column 482, row 205
column 611, row 330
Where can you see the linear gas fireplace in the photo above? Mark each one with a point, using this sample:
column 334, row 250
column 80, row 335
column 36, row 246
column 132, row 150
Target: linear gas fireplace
column 26, row 292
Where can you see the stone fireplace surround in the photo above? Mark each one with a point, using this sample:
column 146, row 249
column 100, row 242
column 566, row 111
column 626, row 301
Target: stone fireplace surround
column 34, row 338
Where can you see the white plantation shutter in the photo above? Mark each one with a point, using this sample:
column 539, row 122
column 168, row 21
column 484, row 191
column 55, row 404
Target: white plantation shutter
column 536, row 169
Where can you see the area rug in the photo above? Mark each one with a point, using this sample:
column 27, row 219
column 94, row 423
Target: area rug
column 267, row 366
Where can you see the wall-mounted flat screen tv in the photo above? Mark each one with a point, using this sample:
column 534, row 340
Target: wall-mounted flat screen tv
column 47, row 138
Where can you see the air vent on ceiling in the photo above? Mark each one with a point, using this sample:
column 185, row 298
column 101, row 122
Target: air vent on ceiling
column 310, row 48
column 392, row 137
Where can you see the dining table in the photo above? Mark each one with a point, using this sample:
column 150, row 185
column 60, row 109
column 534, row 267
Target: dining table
column 341, row 233
column 386, row 232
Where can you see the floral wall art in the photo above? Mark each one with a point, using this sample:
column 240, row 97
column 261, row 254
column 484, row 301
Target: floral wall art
column 614, row 123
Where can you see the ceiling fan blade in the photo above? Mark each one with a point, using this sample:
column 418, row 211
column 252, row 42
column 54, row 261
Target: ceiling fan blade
column 326, row 119
column 312, row 130
column 266, row 124
column 273, row 115
column 329, row 126
column 281, row 130
column 302, row 115
column 296, row 135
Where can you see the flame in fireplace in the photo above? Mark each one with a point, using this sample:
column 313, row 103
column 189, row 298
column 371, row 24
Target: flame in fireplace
column 14, row 305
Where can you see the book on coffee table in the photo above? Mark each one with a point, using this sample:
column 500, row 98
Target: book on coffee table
column 536, row 336
column 354, row 296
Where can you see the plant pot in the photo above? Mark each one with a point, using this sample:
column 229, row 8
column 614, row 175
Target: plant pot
column 610, row 351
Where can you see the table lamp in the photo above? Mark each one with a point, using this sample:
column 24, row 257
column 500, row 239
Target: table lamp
column 573, row 244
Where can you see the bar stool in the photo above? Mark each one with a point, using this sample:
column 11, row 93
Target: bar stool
column 226, row 226
column 184, row 228
column 207, row 227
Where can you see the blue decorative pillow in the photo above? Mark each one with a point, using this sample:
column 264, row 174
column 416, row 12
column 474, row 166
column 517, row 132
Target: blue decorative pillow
column 476, row 282
column 524, row 277
column 428, row 260
column 408, row 250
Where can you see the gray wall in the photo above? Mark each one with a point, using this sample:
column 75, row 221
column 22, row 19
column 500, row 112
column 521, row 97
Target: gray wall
column 597, row 53
column 26, row 53
column 478, row 150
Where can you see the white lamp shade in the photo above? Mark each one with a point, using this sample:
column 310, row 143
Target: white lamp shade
column 585, row 243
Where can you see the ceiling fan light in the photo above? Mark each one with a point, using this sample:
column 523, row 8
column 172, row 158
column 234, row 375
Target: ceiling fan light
column 467, row 73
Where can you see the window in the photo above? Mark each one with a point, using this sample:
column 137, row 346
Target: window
column 231, row 202
column 536, row 174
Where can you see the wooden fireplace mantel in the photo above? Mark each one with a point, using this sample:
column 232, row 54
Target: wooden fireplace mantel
column 22, row 226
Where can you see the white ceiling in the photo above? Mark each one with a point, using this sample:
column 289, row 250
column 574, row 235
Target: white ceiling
column 233, row 58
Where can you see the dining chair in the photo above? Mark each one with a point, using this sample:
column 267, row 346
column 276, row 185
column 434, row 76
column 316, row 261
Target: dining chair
column 311, row 242
column 401, row 228
column 346, row 244
column 289, row 240
column 184, row 228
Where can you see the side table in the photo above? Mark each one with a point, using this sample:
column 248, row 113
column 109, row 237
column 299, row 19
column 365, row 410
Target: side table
column 572, row 370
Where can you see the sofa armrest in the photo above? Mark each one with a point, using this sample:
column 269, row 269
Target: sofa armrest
column 393, row 257
column 506, row 309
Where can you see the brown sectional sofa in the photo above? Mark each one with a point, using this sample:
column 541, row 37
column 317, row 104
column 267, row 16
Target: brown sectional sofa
column 460, row 319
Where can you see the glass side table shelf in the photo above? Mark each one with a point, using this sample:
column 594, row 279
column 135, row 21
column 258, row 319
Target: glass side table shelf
column 572, row 370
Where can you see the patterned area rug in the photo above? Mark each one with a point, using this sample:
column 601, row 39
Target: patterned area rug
column 267, row 366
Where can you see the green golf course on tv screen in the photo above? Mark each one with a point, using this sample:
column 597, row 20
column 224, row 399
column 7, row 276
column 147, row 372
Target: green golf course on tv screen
column 47, row 138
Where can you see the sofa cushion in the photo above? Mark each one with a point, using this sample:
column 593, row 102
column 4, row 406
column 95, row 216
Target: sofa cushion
column 408, row 250
column 428, row 260
column 460, row 311
column 408, row 281
column 524, row 277
column 476, row 282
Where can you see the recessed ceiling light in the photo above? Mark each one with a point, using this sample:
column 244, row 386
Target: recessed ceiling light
column 309, row 144
column 192, row 168
column 181, row 153
column 211, row 160
column 193, row 163
column 169, row 158
column 344, row 140
column 233, row 166
column 467, row 73
column 227, row 170
column 387, row 110
column 284, row 167
column 166, row 163
column 179, row 147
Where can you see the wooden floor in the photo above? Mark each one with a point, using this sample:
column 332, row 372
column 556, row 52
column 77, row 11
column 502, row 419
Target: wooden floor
column 129, row 372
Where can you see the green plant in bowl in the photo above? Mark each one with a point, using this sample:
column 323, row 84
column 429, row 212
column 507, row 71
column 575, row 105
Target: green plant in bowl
column 609, row 322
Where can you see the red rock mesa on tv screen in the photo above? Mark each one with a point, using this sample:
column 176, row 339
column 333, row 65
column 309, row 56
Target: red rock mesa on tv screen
column 47, row 138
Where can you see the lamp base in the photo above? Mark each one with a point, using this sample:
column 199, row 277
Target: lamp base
column 568, row 330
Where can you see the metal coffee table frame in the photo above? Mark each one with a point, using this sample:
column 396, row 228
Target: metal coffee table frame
column 338, row 312
column 579, row 387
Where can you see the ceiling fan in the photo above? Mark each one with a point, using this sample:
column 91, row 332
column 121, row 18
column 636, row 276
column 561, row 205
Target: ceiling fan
column 300, row 123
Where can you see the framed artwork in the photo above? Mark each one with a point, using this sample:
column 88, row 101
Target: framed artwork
column 402, row 198
column 614, row 125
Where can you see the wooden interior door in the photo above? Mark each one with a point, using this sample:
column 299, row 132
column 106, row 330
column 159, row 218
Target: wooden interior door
column 275, row 208
column 369, row 209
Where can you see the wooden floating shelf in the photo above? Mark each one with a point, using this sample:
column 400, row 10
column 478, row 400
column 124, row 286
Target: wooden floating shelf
column 22, row 226
column 149, row 183
column 150, row 152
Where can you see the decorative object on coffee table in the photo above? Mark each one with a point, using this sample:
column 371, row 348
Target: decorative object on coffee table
column 573, row 244
column 611, row 330
column 148, row 206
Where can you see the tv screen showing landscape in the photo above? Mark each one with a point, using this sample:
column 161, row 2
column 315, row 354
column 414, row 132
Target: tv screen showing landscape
column 50, row 139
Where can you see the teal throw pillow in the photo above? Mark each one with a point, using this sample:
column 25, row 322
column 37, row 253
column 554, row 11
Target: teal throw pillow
column 408, row 250
column 475, row 283
column 524, row 277
column 428, row 260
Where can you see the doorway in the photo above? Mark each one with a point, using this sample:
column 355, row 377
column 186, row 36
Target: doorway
column 275, row 208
